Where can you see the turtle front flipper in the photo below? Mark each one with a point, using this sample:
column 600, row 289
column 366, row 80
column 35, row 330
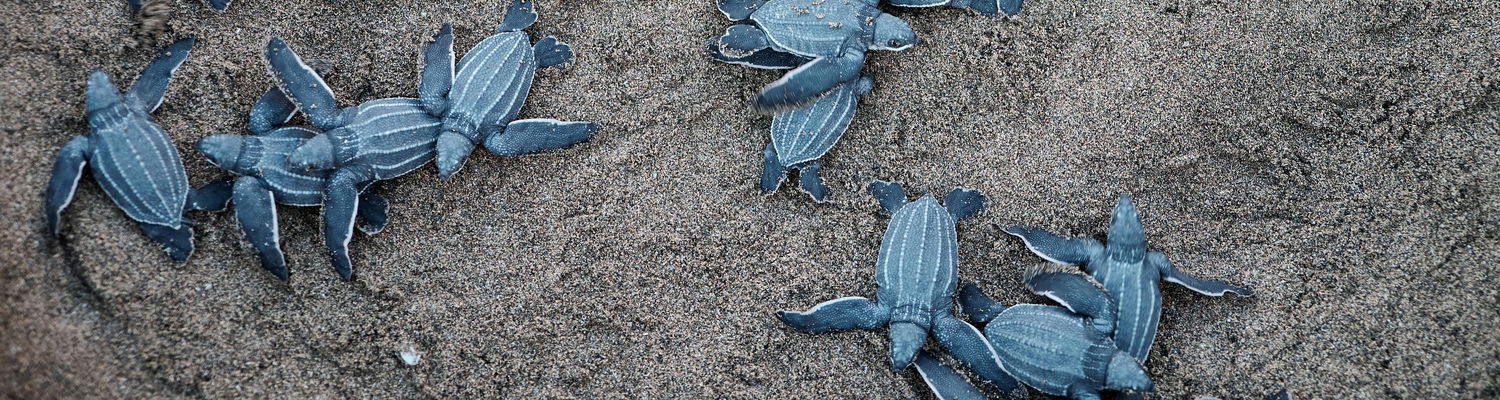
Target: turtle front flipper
column 739, row 10
column 772, row 171
column 1170, row 273
column 147, row 91
column 177, row 241
column 1075, row 292
column 66, row 172
column 551, row 52
column 970, row 347
column 1056, row 249
column 841, row 314
column 978, row 306
column 219, row 5
column 742, row 40
column 272, row 109
column 530, row 136
column 518, row 16
column 255, row 209
column 812, row 181
column 374, row 213
column 303, row 85
column 891, row 195
column 944, row 382
column 810, row 81
column 212, row 197
column 964, row 203
column 437, row 72
column 340, row 208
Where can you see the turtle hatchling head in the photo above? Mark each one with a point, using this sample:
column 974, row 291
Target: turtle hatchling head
column 228, row 151
column 1126, row 373
column 1125, row 229
column 101, row 92
column 314, row 154
column 892, row 34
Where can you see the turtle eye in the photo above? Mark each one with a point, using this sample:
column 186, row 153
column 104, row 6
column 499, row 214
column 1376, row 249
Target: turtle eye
column 894, row 43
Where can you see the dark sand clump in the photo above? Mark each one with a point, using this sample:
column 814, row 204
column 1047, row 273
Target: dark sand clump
column 1339, row 158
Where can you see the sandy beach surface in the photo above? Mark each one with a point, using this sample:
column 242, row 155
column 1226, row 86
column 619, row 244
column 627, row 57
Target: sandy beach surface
column 1337, row 157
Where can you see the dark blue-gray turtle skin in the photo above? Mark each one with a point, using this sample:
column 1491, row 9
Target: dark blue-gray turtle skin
column 376, row 140
column 800, row 136
column 133, row 159
column 267, row 178
column 480, row 104
column 917, row 272
column 1061, row 351
column 217, row 5
column 832, row 36
column 1128, row 272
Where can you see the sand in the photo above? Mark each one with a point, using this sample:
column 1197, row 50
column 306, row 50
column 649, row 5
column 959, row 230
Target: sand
column 1339, row 158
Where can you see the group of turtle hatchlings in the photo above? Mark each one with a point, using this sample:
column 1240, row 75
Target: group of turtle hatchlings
column 1096, row 339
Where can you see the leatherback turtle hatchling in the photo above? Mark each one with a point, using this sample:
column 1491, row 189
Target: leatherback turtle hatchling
column 1127, row 270
column 1061, row 351
column 217, row 5
column 832, row 35
column 917, row 272
column 376, row 140
column 133, row 159
column 481, row 103
column 267, row 179
column 800, row 136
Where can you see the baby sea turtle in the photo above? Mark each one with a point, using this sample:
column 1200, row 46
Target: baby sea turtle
column 267, row 179
column 800, row 136
column 832, row 34
column 1127, row 270
column 1061, row 351
column 217, row 5
column 481, row 103
column 917, row 272
column 133, row 159
column 377, row 140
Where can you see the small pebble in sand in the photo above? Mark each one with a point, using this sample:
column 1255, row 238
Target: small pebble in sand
column 409, row 356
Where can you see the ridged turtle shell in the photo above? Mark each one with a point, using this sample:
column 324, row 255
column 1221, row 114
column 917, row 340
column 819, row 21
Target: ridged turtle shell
column 392, row 136
column 1050, row 348
column 137, row 165
column 493, row 81
column 917, row 269
column 816, row 28
column 805, row 134
column 291, row 186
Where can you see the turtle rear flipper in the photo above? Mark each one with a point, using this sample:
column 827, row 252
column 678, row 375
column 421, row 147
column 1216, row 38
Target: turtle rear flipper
column 219, row 5
column 739, row 10
column 518, row 16
column 374, row 213
column 303, row 85
column 66, row 172
column 272, row 109
column 990, row 7
column 437, row 72
column 177, row 241
column 810, row 81
column 841, row 314
column 211, row 197
column 945, row 383
column 551, row 52
column 255, row 210
column 891, row 195
column 811, row 181
column 1075, row 292
column 529, row 136
column 964, row 203
column 772, row 171
column 978, row 306
column 147, row 92
column 1057, row 249
column 970, row 347
column 1170, row 273
column 135, row 5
